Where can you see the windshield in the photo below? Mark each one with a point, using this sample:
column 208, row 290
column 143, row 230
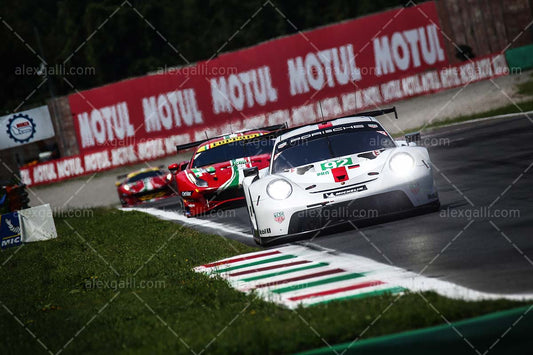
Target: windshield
column 147, row 174
column 312, row 147
column 232, row 151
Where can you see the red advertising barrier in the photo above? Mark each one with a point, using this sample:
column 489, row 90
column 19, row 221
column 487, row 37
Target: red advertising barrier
column 346, row 67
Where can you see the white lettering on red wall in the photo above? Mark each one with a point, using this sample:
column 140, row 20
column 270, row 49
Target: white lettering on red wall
column 169, row 110
column 241, row 90
column 331, row 67
column 104, row 125
column 334, row 70
column 407, row 49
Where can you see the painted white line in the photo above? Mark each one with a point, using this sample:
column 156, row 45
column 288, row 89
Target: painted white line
column 179, row 217
column 314, row 300
column 278, row 280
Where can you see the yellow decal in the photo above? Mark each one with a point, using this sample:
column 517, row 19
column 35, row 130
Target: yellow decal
column 228, row 140
column 135, row 173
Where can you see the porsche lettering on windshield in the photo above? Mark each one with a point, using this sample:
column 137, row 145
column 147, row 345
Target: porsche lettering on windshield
column 326, row 144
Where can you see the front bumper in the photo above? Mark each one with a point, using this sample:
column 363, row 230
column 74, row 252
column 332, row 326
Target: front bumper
column 146, row 196
column 336, row 213
column 304, row 211
column 204, row 201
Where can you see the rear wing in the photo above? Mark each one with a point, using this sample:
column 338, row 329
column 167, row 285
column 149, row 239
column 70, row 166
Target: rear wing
column 367, row 113
column 273, row 128
column 382, row 112
column 277, row 130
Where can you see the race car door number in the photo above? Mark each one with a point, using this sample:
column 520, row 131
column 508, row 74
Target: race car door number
column 336, row 163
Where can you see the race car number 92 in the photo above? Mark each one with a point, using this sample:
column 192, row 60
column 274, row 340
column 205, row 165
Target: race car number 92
column 336, row 163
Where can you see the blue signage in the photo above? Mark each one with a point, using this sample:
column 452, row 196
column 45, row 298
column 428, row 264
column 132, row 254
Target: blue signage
column 10, row 233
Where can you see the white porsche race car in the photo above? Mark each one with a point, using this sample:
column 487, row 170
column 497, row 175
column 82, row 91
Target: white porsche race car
column 336, row 171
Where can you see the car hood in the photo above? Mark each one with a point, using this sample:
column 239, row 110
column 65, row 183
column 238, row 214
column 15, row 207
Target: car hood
column 336, row 172
column 229, row 174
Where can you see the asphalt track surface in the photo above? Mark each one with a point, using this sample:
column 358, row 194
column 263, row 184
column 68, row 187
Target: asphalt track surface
column 476, row 165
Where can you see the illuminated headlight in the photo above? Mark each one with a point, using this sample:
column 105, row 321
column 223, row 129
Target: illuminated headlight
column 402, row 163
column 279, row 189
column 127, row 187
column 169, row 176
column 199, row 182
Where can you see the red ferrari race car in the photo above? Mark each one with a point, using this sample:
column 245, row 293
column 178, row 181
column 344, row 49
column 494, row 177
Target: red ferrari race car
column 213, row 176
column 145, row 185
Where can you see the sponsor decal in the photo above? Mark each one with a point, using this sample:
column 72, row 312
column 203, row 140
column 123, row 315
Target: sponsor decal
column 383, row 133
column 336, row 163
column 21, row 128
column 186, row 193
column 25, row 127
column 415, row 188
column 198, row 172
column 344, row 192
column 279, row 216
column 372, row 125
column 340, row 174
column 323, row 173
column 327, row 131
column 228, row 139
column 152, row 196
column 10, row 232
column 376, row 152
column 144, row 118
column 236, row 178
column 264, row 231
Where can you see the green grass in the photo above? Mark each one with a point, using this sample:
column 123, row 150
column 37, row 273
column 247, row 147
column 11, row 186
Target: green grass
column 49, row 288
column 526, row 88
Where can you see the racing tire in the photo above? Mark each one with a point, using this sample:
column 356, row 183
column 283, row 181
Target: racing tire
column 255, row 233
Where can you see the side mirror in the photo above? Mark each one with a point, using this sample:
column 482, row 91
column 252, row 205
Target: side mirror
column 173, row 168
column 183, row 165
column 412, row 138
column 253, row 171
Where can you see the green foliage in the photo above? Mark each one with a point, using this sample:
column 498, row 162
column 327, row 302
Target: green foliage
column 526, row 88
column 66, row 292
column 119, row 42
